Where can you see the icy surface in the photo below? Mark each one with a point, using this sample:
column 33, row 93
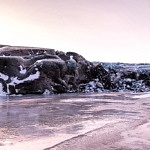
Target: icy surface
column 142, row 96
column 110, row 121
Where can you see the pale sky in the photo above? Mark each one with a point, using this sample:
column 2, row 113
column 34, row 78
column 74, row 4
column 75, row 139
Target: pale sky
column 100, row 30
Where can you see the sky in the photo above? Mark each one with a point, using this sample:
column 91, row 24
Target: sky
column 99, row 30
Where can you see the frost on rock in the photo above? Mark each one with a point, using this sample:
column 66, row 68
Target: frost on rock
column 30, row 78
column 59, row 72
column 2, row 93
column 3, row 76
column 129, row 77
column 15, row 81
column 22, row 70
column 46, row 92
column 6, row 81
column 92, row 86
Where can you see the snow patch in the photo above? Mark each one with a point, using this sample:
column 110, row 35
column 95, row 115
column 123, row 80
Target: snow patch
column 2, row 93
column 38, row 61
column 4, row 77
column 22, row 70
column 15, row 81
column 30, row 78
column 47, row 92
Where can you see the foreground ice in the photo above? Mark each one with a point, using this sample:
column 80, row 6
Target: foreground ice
column 75, row 121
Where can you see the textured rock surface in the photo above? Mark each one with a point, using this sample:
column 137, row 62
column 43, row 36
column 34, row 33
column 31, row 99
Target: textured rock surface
column 129, row 77
column 25, row 70
column 29, row 70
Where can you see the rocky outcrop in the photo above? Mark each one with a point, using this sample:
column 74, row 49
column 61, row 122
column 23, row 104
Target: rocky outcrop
column 129, row 77
column 26, row 70
column 29, row 70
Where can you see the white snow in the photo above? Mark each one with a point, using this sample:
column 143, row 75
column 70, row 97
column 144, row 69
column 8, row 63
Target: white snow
column 15, row 81
column 47, row 92
column 71, row 57
column 4, row 77
column 2, row 93
column 30, row 78
column 22, row 70
column 38, row 61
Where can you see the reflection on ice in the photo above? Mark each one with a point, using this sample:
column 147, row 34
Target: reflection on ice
column 142, row 96
column 44, row 121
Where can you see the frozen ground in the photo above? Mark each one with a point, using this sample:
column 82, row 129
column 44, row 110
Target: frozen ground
column 105, row 121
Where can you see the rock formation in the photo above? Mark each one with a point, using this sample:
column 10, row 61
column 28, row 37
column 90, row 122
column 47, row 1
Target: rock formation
column 129, row 77
column 29, row 70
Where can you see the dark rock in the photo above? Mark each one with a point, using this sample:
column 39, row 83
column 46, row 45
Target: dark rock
column 26, row 70
column 29, row 70
column 24, row 51
column 129, row 77
column 103, row 75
